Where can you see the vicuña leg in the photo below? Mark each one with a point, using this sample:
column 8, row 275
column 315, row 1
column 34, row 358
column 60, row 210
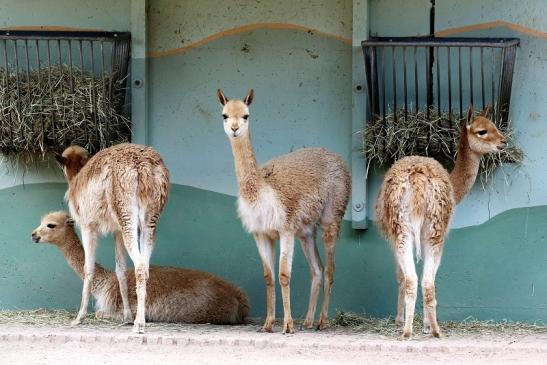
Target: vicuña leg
column 131, row 242
column 266, row 250
column 432, row 260
column 400, row 318
column 121, row 269
column 309, row 247
column 330, row 235
column 286, row 241
column 405, row 260
column 89, row 241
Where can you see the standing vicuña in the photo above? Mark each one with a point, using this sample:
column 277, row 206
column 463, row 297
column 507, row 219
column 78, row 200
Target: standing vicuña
column 175, row 295
column 122, row 189
column 414, row 209
column 286, row 197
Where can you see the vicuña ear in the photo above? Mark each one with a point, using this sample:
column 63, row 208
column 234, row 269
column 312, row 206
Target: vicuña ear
column 223, row 99
column 486, row 112
column 60, row 158
column 469, row 120
column 249, row 98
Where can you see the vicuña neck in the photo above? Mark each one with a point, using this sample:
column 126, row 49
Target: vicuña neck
column 75, row 256
column 246, row 167
column 466, row 168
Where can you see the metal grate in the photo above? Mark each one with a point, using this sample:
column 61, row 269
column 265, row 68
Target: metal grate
column 55, row 63
column 421, row 73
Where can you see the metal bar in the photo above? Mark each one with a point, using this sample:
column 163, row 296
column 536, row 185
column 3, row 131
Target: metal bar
column 471, row 74
column 17, row 74
column 405, row 83
column 441, row 41
column 80, row 51
column 63, row 35
column 460, row 79
column 43, row 124
column 427, row 83
column 50, row 85
column 482, row 79
column 70, row 66
column 493, row 83
column 93, row 96
column 394, row 77
column 61, row 88
column 448, row 52
column 6, row 64
column 438, row 80
column 107, row 124
column 28, row 74
column 383, row 86
column 507, row 81
column 370, row 74
column 498, row 108
column 416, row 108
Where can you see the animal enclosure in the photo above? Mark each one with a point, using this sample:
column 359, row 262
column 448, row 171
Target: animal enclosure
column 60, row 88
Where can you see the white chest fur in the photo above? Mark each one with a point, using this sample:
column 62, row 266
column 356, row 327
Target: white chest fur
column 264, row 215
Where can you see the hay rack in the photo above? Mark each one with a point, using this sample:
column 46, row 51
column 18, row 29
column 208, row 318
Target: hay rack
column 62, row 87
column 420, row 73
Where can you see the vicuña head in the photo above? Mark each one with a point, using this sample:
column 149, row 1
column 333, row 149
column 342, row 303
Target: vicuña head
column 72, row 160
column 53, row 228
column 482, row 134
column 235, row 114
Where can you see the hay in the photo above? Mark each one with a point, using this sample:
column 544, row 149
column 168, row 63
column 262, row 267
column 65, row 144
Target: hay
column 49, row 111
column 387, row 326
column 386, row 141
column 47, row 317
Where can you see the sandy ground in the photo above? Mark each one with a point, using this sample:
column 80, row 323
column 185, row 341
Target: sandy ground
column 106, row 343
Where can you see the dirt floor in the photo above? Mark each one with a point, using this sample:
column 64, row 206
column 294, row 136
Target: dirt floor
column 45, row 337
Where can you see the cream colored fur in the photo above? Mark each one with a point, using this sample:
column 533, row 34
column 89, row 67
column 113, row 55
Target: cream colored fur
column 175, row 295
column 122, row 189
column 414, row 208
column 286, row 197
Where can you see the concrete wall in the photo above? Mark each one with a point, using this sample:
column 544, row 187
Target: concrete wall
column 297, row 57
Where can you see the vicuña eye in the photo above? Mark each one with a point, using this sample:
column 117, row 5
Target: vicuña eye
column 481, row 133
column 224, row 116
column 51, row 226
column 246, row 116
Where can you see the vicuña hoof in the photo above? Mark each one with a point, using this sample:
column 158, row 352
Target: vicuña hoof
column 308, row 324
column 406, row 335
column 288, row 326
column 138, row 327
column 76, row 322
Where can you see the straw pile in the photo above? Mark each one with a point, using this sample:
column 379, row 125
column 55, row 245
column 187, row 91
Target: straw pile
column 387, row 326
column 56, row 107
column 386, row 141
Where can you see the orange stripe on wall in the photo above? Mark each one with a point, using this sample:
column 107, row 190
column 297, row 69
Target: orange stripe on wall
column 490, row 25
column 243, row 29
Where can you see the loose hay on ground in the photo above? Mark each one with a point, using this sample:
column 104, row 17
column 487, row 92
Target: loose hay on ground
column 340, row 322
column 387, row 326
column 386, row 140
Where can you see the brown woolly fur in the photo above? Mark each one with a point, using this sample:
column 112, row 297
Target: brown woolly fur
column 174, row 294
column 414, row 208
column 286, row 197
column 122, row 189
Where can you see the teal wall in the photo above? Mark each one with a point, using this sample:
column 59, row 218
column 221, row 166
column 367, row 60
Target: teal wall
column 298, row 58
